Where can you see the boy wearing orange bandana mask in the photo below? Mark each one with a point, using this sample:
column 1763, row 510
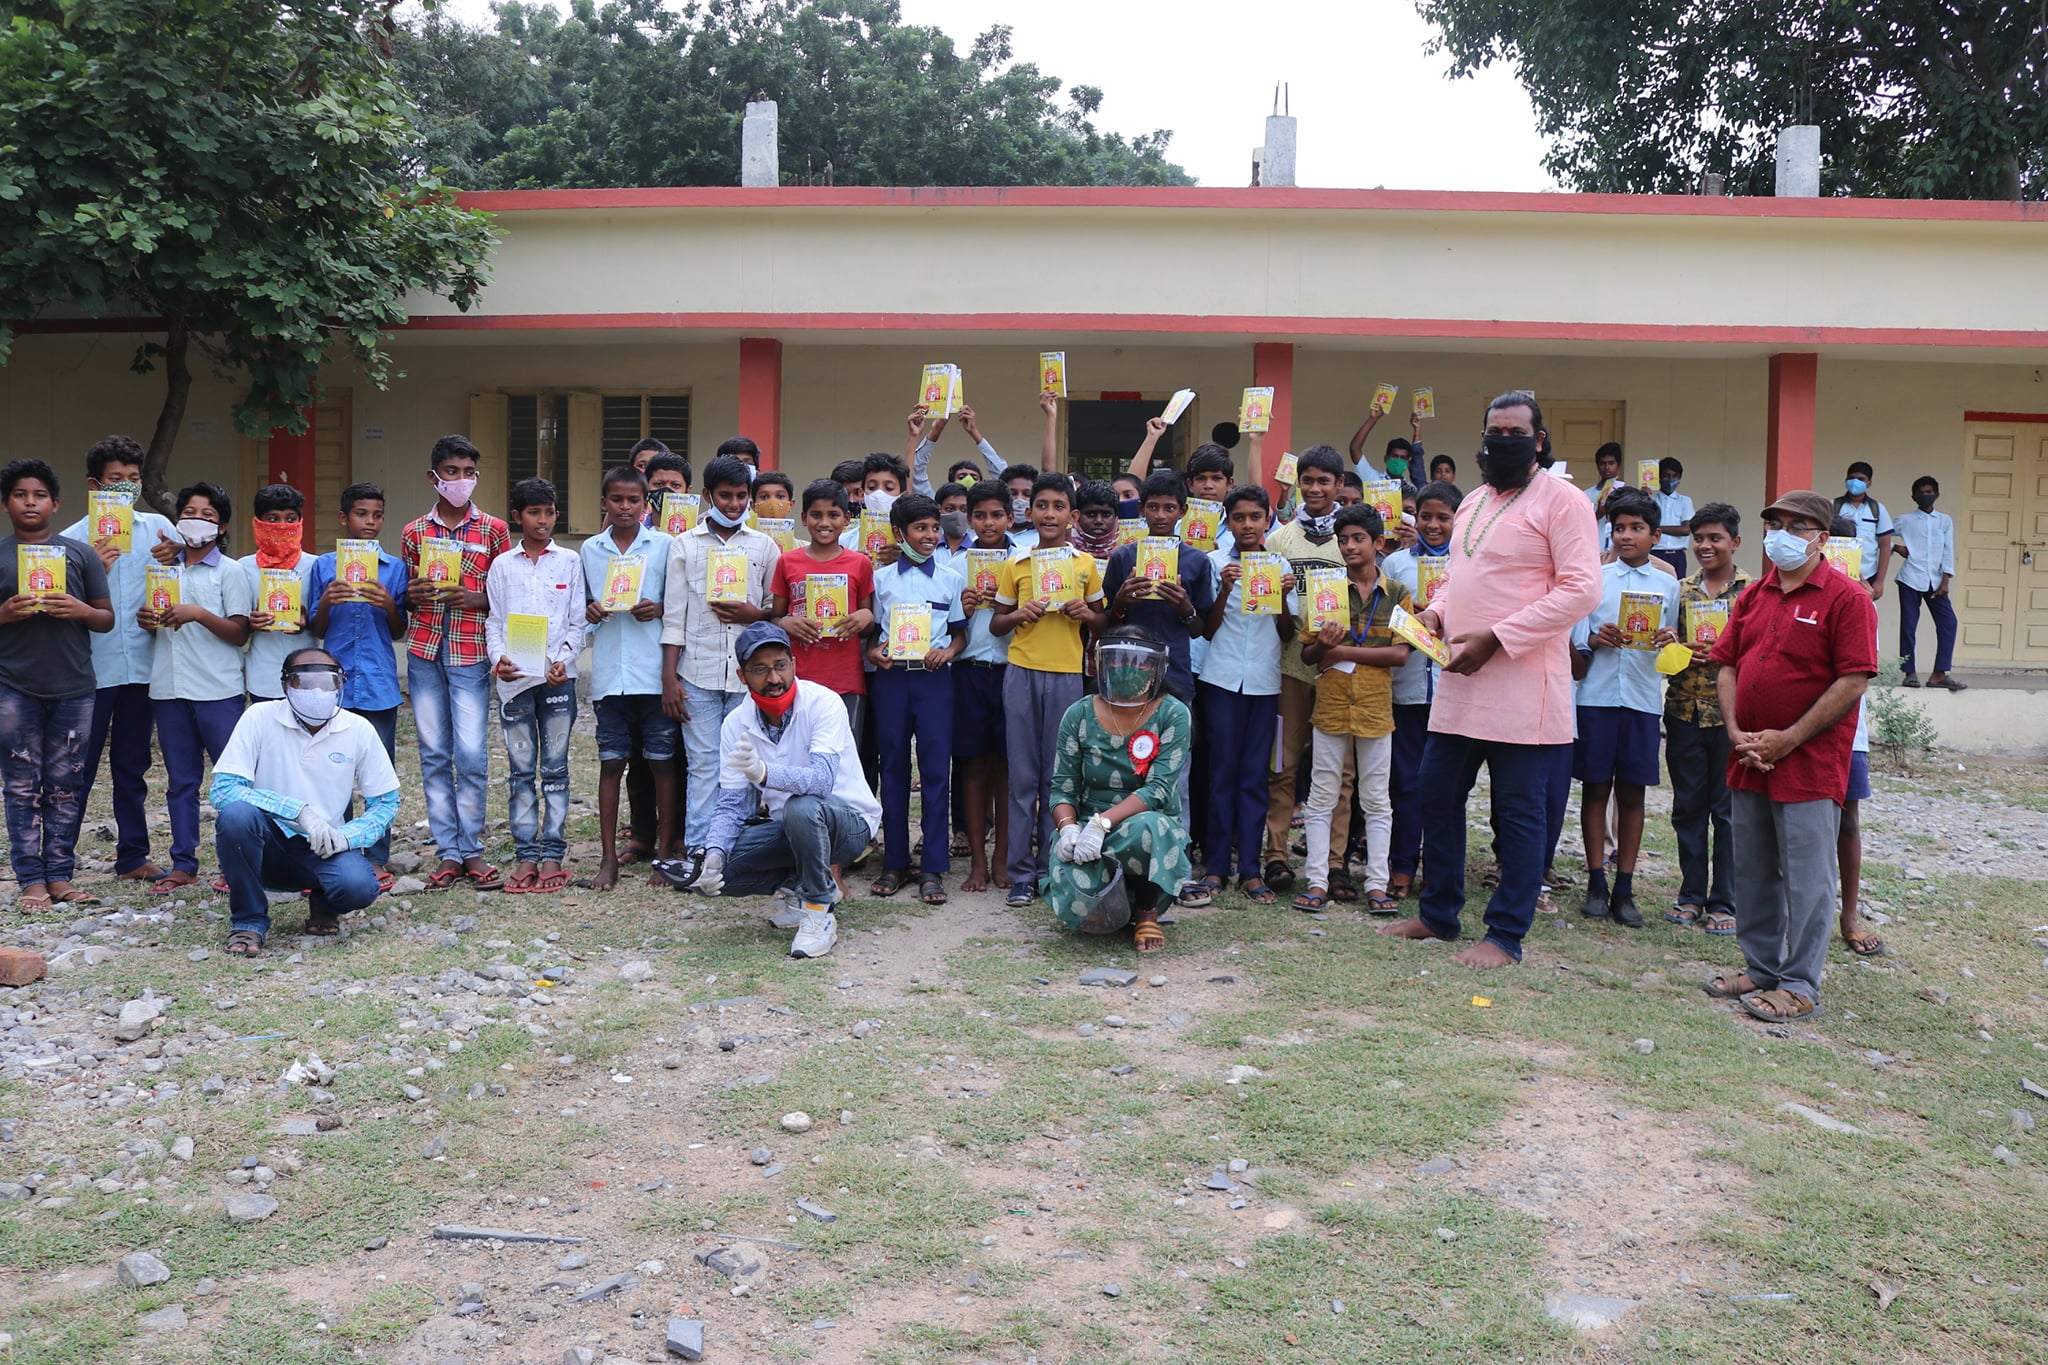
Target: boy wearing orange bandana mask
column 278, row 534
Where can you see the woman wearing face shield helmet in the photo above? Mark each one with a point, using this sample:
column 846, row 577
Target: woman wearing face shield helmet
column 1122, row 840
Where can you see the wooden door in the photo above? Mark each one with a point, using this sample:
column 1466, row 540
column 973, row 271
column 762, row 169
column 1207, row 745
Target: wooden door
column 1580, row 427
column 2001, row 586
column 333, row 469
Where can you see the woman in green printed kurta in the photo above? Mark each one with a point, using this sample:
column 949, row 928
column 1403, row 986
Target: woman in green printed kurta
column 1109, row 816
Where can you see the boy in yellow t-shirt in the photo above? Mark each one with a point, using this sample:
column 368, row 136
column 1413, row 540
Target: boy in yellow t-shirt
column 1044, row 596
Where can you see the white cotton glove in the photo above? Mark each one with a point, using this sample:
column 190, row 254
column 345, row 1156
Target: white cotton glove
column 711, row 878
column 327, row 841
column 1069, row 836
column 742, row 759
column 1088, row 847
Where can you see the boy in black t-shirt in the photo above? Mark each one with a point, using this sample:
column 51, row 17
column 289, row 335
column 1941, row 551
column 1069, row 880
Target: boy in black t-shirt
column 53, row 595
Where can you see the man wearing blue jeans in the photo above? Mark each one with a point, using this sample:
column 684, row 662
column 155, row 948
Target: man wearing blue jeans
column 701, row 682
column 281, row 788
column 789, row 747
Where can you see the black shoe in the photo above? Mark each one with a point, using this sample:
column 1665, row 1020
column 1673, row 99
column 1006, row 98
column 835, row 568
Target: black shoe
column 1018, row 898
column 1596, row 904
column 1623, row 908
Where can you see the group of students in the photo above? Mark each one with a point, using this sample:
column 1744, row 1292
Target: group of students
column 959, row 626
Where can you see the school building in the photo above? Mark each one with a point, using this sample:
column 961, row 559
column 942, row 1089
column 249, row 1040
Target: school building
column 1764, row 342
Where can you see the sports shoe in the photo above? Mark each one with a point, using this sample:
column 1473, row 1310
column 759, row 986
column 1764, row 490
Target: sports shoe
column 789, row 908
column 816, row 935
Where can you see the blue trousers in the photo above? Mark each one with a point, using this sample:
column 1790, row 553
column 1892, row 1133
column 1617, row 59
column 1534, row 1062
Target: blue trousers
column 1404, row 788
column 915, row 706
column 1520, row 775
column 254, row 854
column 42, row 770
column 1557, row 797
column 122, row 718
column 191, row 734
column 1909, row 627
column 1239, row 732
column 537, row 724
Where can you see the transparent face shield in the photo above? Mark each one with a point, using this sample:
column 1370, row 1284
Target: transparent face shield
column 1129, row 672
column 313, row 677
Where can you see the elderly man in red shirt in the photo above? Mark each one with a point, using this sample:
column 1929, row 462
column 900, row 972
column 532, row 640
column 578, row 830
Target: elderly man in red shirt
column 1799, row 650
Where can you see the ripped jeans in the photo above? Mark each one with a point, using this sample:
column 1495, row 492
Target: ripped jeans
column 537, row 724
column 42, row 771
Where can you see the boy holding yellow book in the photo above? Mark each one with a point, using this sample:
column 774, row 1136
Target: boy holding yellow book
column 980, row 730
column 1696, row 744
column 278, row 572
column 822, row 595
column 1422, row 569
column 1620, row 699
column 53, row 598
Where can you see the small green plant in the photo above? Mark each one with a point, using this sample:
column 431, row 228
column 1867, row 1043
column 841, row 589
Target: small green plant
column 1900, row 727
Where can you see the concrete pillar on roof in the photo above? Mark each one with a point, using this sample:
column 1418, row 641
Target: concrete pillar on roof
column 1276, row 164
column 760, row 163
column 1799, row 161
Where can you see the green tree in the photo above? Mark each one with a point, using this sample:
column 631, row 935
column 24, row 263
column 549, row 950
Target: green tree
column 232, row 168
column 1913, row 99
column 634, row 93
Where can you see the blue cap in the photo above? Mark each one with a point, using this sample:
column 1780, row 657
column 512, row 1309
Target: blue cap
column 758, row 634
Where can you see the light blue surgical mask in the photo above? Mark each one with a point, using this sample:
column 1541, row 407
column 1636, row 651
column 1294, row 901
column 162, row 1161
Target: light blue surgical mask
column 1786, row 549
column 1857, row 487
column 729, row 523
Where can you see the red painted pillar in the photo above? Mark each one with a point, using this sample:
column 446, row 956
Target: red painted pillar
column 289, row 458
column 1273, row 367
column 1788, row 449
column 761, row 396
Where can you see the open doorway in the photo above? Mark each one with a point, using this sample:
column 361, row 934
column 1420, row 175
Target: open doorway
column 1103, row 433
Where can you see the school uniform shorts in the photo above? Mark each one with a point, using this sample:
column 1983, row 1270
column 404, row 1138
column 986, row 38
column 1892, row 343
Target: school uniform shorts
column 1616, row 744
column 978, row 727
column 633, row 725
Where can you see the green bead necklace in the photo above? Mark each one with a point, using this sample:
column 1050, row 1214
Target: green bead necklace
column 1484, row 531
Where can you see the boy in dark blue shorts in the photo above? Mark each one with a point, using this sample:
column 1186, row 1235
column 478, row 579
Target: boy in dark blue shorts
column 1621, row 697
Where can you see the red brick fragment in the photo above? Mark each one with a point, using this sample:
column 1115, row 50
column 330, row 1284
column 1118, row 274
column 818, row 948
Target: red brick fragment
column 18, row 967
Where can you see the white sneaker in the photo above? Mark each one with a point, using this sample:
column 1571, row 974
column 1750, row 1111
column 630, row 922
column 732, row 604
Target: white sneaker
column 789, row 913
column 817, row 934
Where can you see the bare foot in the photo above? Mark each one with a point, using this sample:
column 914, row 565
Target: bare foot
column 608, row 876
column 656, row 879
column 1412, row 927
column 977, row 879
column 1484, row 955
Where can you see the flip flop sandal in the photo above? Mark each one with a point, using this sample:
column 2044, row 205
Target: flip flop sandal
column 1685, row 915
column 384, row 882
column 1863, row 943
column 75, row 898
column 1311, row 902
column 1382, row 905
column 35, row 905
column 1197, row 894
column 244, row 943
column 322, row 926
column 932, row 891
column 1256, row 891
column 549, row 884
column 1779, row 1006
column 166, row 886
column 1719, row 923
column 1545, row 904
column 443, row 878
column 1724, row 985
column 485, row 878
column 887, row 885
column 1910, row 681
column 220, row 885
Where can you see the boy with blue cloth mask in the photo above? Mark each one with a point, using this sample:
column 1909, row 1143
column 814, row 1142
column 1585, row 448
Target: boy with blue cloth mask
column 1874, row 528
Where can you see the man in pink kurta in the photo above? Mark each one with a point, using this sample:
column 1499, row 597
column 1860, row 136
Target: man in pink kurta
column 1524, row 568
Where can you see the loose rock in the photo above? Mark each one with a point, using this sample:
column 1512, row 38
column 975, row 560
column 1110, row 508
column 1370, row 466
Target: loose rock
column 760, row 1156
column 139, row 1270
column 1644, row 1046
column 797, row 1121
column 685, row 1338
column 166, row 1319
column 250, row 1208
column 1108, row 976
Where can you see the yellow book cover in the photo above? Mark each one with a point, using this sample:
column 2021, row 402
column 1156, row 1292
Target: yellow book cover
column 441, row 562
column 1052, row 373
column 1204, row 520
column 984, row 569
column 938, row 391
column 1706, row 622
column 113, row 519
column 355, row 564
column 725, row 576
column 1419, row 635
column 1180, row 402
column 910, row 631
column 876, row 534
column 160, row 587
column 1057, row 574
column 41, row 569
column 1430, row 575
column 1323, row 598
column 1130, row 530
column 1423, row 403
column 781, row 530
column 526, row 643
column 1261, row 595
column 1646, row 475
column 1383, row 397
column 622, row 583
column 1158, row 562
column 1846, row 555
column 1288, row 468
column 282, row 597
column 825, row 599
column 679, row 512
column 1384, row 497
column 1642, row 616
column 1255, row 410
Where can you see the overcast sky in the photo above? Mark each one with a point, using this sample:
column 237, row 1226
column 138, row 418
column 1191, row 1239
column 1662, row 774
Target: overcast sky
column 1374, row 108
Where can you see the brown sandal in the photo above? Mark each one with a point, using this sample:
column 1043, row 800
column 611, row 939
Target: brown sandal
column 1727, row 986
column 1779, row 1006
column 244, row 943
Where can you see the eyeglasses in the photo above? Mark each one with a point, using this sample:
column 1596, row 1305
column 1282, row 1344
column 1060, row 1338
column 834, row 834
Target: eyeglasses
column 769, row 668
